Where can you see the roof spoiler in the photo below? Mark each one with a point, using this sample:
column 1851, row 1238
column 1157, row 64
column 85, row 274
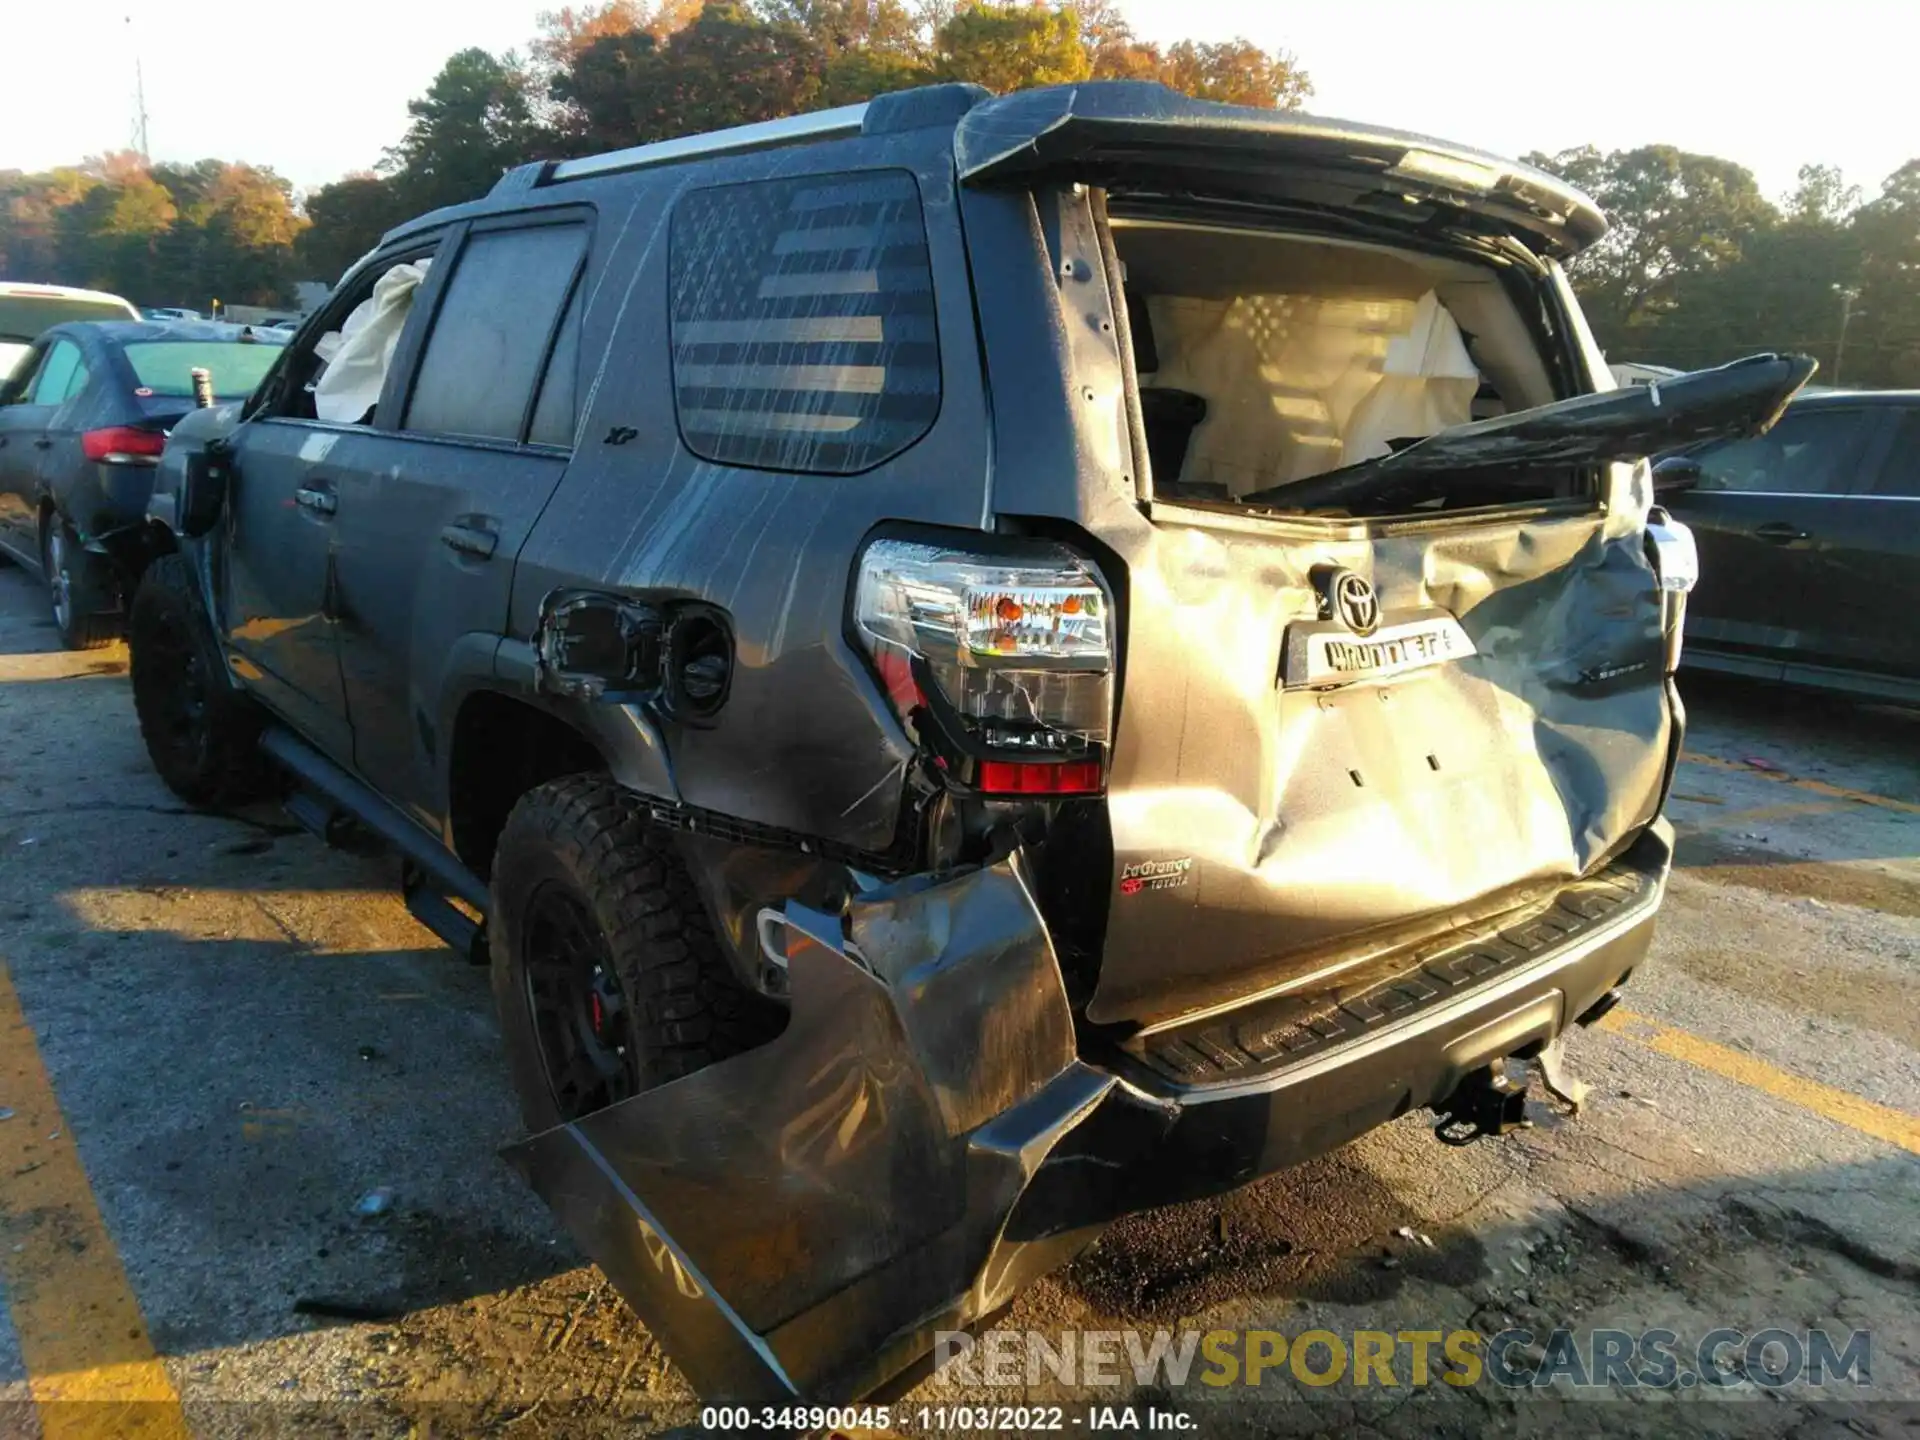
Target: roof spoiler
column 1143, row 135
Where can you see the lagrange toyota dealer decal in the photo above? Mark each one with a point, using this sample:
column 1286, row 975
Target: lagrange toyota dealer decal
column 1155, row 875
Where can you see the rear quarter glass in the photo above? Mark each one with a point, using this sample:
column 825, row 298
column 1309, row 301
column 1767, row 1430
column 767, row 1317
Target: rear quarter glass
column 803, row 327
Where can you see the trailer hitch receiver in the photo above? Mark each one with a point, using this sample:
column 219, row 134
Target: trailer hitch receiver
column 1490, row 1101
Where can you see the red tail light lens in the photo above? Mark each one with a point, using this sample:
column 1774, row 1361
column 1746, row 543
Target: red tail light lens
column 123, row 445
column 1020, row 777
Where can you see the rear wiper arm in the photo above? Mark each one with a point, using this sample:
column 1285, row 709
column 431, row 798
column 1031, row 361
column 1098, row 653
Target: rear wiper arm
column 1743, row 398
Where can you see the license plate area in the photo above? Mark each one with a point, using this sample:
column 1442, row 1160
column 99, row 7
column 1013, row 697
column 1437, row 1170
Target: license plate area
column 1319, row 654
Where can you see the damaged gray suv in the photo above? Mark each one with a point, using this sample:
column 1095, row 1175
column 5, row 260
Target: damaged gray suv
column 972, row 664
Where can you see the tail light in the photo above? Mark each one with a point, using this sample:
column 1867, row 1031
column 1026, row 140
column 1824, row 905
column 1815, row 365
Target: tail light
column 1009, row 659
column 123, row 445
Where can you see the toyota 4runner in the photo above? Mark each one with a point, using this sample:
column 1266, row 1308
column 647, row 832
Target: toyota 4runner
column 973, row 664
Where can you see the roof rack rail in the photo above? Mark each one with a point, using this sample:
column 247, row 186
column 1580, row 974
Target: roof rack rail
column 767, row 135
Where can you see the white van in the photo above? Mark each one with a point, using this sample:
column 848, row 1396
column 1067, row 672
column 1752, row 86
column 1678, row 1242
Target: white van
column 27, row 310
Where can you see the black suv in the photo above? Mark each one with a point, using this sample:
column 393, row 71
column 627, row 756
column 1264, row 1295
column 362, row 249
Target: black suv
column 1810, row 540
column 977, row 663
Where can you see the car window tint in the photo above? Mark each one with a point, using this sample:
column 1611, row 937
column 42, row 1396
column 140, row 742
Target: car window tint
column 1810, row 452
column 803, row 322
column 1900, row 474
column 489, row 340
column 553, row 415
column 61, row 375
column 164, row 368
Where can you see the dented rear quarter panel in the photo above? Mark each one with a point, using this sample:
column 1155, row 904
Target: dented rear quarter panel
column 805, row 742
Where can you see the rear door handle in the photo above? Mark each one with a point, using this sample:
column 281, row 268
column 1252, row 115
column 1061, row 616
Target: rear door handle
column 317, row 497
column 470, row 535
column 41, row 442
column 1779, row 533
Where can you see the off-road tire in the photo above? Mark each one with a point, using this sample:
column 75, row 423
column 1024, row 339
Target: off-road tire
column 684, row 1008
column 202, row 735
column 79, row 589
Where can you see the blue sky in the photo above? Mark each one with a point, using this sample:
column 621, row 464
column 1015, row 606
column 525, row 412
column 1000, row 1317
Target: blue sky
column 317, row 92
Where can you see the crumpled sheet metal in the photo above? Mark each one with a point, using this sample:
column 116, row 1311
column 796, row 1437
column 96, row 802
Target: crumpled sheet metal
column 798, row 1220
column 1321, row 825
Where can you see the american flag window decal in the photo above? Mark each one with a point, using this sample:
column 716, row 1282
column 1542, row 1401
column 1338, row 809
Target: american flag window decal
column 803, row 325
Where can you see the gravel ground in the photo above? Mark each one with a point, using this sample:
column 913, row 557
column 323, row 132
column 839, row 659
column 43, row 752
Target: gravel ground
column 247, row 1033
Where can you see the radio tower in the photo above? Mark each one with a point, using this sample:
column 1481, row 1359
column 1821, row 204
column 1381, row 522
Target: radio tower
column 139, row 103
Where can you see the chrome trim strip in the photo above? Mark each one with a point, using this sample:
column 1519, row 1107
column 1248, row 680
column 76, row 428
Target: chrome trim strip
column 767, row 135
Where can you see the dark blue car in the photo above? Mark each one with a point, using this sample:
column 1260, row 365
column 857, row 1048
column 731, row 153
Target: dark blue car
column 83, row 419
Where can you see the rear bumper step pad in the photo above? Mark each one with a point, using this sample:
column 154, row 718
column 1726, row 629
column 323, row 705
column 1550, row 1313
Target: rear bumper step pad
column 1265, row 1037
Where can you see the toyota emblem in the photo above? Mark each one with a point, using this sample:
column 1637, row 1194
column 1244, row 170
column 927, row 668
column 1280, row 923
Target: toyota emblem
column 1351, row 598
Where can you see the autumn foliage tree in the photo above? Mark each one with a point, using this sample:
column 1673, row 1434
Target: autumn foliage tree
column 162, row 234
column 1700, row 267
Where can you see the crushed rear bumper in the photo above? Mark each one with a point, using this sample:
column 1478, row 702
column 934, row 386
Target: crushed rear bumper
column 924, row 1139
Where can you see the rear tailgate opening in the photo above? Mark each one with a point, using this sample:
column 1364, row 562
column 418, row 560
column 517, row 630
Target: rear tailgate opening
column 1397, row 653
column 1266, row 358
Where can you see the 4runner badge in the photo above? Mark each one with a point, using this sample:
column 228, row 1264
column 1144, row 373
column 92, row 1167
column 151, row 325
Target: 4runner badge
column 1155, row 875
column 1353, row 641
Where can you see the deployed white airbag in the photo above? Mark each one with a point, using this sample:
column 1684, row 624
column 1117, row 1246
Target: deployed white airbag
column 1297, row 385
column 1426, row 385
column 360, row 352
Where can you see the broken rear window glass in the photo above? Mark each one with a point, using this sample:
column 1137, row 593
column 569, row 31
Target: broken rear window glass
column 1268, row 358
column 803, row 322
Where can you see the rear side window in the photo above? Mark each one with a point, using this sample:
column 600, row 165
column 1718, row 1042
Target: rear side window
column 64, row 374
column 495, row 325
column 553, row 411
column 803, row 324
column 165, row 367
column 1810, row 452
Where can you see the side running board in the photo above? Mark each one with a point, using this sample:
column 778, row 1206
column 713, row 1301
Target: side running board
column 432, row 877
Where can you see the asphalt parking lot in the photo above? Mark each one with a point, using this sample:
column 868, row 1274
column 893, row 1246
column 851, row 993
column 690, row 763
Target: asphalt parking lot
column 217, row 1038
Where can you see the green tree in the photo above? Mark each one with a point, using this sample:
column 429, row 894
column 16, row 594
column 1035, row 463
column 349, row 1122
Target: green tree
column 1822, row 195
column 233, row 237
column 624, row 71
column 860, row 74
column 729, row 67
column 1675, row 216
column 1010, row 48
column 566, row 32
column 473, row 125
column 1883, row 337
column 1235, row 72
column 345, row 220
column 110, row 238
column 881, row 27
column 30, row 207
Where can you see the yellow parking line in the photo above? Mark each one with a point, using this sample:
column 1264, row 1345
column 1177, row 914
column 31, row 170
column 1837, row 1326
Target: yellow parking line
column 90, row 1366
column 1817, row 787
column 1896, row 1127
